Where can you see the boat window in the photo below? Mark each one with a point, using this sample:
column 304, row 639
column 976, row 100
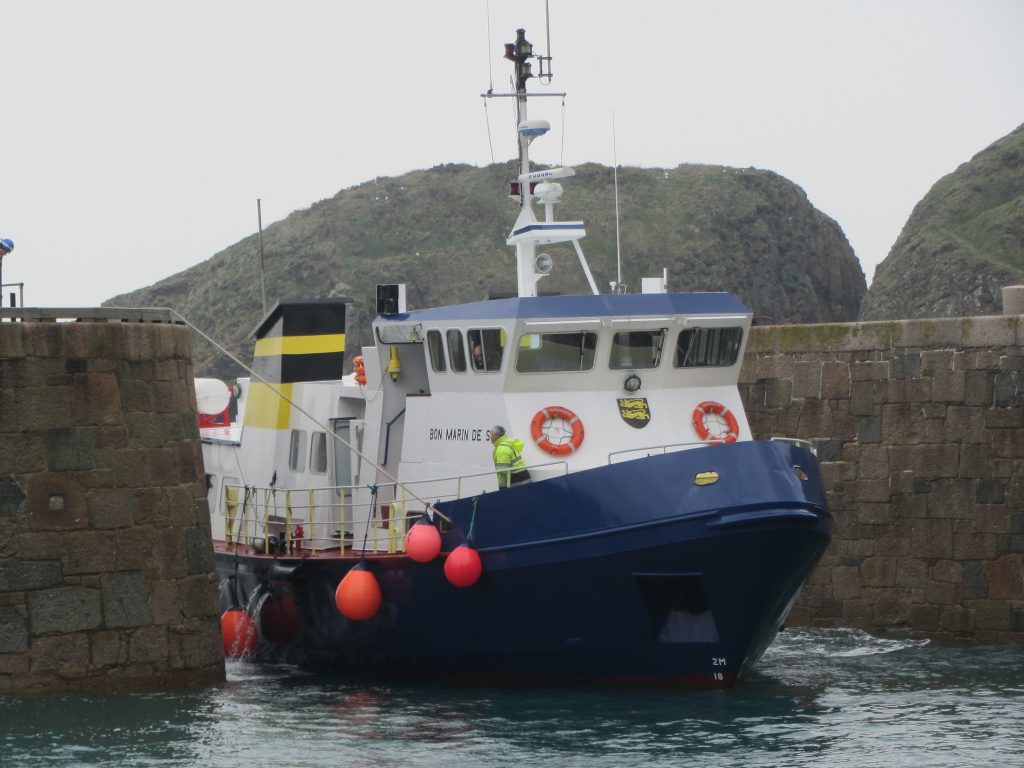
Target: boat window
column 703, row 347
column 550, row 352
column 487, row 345
column 435, row 347
column 297, row 451
column 456, row 350
column 342, row 452
column 318, row 454
column 636, row 349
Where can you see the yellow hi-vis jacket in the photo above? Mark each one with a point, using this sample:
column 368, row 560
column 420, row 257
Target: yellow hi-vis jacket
column 507, row 459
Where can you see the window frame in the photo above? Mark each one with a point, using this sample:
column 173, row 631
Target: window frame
column 584, row 335
column 456, row 358
column 720, row 346
column 438, row 365
column 659, row 355
column 297, row 450
column 482, row 335
column 318, row 437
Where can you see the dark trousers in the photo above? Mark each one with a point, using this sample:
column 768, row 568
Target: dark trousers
column 517, row 478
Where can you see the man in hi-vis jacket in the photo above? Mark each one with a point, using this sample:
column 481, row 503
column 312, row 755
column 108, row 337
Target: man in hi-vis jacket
column 508, row 459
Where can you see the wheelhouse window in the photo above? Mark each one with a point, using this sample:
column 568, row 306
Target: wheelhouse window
column 486, row 346
column 556, row 352
column 435, row 348
column 456, row 350
column 707, row 347
column 297, row 451
column 318, row 454
column 636, row 349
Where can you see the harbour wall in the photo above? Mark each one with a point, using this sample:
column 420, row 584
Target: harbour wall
column 106, row 564
column 918, row 427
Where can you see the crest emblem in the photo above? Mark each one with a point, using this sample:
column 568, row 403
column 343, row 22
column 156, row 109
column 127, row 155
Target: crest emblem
column 634, row 411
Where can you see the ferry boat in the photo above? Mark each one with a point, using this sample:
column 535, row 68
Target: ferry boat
column 360, row 523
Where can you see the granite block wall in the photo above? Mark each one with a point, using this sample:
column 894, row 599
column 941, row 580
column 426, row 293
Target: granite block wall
column 918, row 426
column 106, row 564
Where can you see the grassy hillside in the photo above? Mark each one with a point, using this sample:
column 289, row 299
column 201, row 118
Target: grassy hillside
column 442, row 232
column 963, row 242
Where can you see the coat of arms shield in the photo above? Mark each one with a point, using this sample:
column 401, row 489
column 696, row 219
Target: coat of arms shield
column 634, row 411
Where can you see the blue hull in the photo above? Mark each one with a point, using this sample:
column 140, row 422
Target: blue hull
column 628, row 573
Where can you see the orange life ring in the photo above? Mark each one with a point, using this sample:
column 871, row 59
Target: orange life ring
column 556, row 412
column 710, row 406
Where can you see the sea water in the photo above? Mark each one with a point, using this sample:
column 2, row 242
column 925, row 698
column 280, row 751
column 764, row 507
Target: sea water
column 818, row 698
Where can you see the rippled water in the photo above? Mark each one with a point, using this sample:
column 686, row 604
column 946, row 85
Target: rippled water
column 821, row 698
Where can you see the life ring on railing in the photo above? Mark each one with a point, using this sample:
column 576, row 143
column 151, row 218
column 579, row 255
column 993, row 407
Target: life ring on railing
column 543, row 439
column 711, row 407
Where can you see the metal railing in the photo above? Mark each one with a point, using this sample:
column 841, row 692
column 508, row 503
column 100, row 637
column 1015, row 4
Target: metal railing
column 655, row 450
column 329, row 515
column 799, row 442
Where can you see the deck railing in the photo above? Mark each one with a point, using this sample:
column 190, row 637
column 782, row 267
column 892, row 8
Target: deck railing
column 654, row 450
column 332, row 517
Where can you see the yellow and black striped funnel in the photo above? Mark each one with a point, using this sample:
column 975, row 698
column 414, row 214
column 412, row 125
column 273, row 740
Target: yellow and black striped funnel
column 302, row 340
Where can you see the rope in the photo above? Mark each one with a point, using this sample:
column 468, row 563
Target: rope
column 490, row 83
column 377, row 390
column 308, row 415
column 235, row 602
column 472, row 523
column 490, row 141
column 373, row 516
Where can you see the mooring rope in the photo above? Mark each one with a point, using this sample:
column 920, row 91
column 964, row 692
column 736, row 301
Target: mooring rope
column 472, row 523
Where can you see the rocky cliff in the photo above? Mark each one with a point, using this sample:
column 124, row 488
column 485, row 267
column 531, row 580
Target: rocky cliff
column 963, row 242
column 442, row 231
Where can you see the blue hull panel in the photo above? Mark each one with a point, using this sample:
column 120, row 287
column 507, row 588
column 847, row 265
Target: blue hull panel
column 625, row 573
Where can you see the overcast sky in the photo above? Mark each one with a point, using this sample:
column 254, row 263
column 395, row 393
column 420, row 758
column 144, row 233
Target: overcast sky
column 136, row 136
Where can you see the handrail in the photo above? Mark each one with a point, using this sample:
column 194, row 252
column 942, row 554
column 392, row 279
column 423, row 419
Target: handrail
column 799, row 442
column 262, row 508
column 662, row 448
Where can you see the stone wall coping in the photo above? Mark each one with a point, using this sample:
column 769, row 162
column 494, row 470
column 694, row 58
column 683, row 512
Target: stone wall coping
column 935, row 332
column 91, row 314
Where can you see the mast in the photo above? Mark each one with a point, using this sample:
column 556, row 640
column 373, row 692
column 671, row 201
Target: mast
column 520, row 52
column 528, row 232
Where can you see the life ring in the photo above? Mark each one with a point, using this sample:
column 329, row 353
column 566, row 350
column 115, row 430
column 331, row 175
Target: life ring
column 556, row 412
column 710, row 406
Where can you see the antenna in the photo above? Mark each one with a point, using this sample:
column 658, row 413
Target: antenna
column 547, row 27
column 490, row 70
column 263, row 279
column 619, row 288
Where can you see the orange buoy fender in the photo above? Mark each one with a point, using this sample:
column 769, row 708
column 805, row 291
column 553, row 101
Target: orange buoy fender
column 709, row 407
column 463, row 566
column 280, row 620
column 543, row 416
column 358, row 595
column 423, row 541
column 238, row 631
